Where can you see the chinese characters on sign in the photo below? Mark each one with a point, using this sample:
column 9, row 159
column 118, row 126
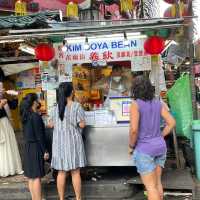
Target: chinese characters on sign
column 107, row 56
column 106, row 51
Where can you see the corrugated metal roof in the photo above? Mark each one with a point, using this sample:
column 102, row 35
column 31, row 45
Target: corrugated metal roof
column 38, row 20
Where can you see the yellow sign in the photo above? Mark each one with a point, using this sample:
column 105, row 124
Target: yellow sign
column 20, row 8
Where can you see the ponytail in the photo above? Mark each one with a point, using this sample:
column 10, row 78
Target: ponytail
column 64, row 91
column 62, row 102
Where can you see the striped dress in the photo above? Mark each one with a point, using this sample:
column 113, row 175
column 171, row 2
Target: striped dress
column 68, row 149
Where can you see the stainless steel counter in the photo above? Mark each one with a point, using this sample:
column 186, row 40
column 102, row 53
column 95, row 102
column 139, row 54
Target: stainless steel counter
column 107, row 145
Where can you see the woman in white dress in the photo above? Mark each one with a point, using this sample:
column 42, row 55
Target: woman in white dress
column 10, row 161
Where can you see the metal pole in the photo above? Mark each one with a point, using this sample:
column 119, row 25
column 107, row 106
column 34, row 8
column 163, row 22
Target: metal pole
column 178, row 165
column 156, row 70
column 192, row 80
column 142, row 9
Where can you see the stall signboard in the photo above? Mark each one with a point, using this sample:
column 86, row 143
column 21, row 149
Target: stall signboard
column 105, row 50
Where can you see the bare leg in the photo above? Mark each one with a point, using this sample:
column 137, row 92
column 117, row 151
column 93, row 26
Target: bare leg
column 61, row 182
column 37, row 189
column 76, row 180
column 159, row 183
column 150, row 182
column 30, row 185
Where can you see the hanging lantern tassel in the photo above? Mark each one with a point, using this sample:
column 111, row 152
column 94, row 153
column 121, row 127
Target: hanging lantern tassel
column 170, row 1
column 171, row 11
column 44, row 52
column 126, row 6
column 20, row 8
column 174, row 1
column 72, row 10
column 183, row 9
column 154, row 45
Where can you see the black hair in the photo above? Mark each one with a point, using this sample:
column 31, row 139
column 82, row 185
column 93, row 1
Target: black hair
column 25, row 106
column 2, row 75
column 135, row 74
column 64, row 91
column 116, row 68
column 142, row 89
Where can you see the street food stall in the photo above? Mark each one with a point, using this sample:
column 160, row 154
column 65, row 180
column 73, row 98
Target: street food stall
column 102, row 70
column 101, row 64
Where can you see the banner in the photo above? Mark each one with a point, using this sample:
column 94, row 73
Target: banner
column 103, row 50
column 108, row 50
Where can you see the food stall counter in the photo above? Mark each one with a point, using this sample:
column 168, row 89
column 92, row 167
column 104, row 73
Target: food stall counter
column 107, row 145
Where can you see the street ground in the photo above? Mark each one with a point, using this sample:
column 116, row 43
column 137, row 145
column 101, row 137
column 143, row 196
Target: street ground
column 117, row 183
column 97, row 186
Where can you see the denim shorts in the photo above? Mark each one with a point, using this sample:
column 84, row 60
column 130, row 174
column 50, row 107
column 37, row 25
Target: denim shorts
column 146, row 164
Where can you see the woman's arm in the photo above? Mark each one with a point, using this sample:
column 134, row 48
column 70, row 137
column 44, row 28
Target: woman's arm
column 82, row 124
column 134, row 124
column 3, row 102
column 50, row 124
column 170, row 121
column 81, row 117
column 51, row 118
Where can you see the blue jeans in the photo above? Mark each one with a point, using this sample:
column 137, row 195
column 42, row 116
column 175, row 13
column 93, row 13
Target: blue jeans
column 146, row 164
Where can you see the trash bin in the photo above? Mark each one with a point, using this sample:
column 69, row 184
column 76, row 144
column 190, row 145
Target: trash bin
column 196, row 138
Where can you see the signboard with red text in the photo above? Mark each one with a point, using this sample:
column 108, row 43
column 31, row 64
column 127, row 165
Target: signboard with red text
column 103, row 51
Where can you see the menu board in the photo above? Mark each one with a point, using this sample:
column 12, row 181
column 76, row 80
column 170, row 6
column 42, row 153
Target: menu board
column 121, row 108
column 65, row 72
column 49, row 76
column 141, row 63
column 51, row 101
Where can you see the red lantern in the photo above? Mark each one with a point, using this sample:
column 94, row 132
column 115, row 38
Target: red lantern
column 68, row 1
column 170, row 1
column 174, row 1
column 185, row 12
column 185, row 1
column 44, row 52
column 171, row 11
column 154, row 45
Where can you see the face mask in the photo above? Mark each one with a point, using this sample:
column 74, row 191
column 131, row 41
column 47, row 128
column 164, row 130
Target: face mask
column 117, row 78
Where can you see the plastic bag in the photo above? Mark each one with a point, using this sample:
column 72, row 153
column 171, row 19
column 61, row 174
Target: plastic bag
column 180, row 101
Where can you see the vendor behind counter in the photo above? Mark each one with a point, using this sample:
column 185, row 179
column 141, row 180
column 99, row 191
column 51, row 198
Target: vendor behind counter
column 115, row 85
